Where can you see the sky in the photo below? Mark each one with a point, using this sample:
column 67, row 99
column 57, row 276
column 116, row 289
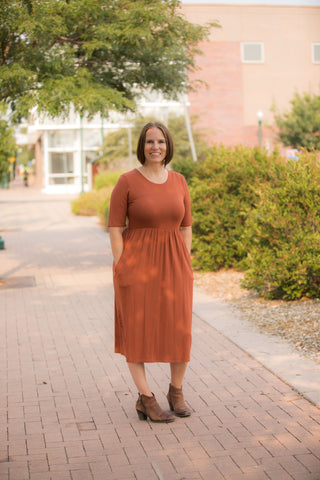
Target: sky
column 312, row 3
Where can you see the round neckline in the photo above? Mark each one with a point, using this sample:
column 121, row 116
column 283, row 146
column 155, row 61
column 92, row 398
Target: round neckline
column 150, row 181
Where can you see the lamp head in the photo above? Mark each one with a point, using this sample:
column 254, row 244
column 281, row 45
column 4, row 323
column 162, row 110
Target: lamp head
column 260, row 115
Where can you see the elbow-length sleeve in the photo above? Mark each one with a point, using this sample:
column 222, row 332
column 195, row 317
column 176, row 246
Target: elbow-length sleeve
column 187, row 219
column 119, row 204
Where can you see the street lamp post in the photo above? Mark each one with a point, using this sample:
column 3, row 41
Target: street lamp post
column 81, row 153
column 260, row 117
column 102, row 128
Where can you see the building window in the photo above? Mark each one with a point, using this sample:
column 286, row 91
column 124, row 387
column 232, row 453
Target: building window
column 252, row 52
column 316, row 52
column 61, row 162
column 61, row 168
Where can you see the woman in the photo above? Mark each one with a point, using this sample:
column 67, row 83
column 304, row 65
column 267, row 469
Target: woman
column 152, row 272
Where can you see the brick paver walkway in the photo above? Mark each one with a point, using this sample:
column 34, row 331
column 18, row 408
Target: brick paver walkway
column 67, row 403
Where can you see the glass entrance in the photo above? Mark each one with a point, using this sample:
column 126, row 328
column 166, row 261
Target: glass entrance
column 61, row 168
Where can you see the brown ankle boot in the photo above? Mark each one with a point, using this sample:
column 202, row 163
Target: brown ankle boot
column 176, row 402
column 149, row 407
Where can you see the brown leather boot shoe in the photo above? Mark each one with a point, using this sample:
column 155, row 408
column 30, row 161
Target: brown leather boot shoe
column 176, row 402
column 149, row 407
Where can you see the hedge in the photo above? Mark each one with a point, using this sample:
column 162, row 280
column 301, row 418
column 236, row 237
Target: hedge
column 106, row 178
column 224, row 189
column 283, row 233
column 97, row 201
column 260, row 213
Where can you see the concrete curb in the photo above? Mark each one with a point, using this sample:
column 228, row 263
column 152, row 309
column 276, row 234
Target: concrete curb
column 274, row 353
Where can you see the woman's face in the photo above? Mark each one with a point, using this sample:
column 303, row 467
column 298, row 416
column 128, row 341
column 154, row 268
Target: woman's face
column 155, row 147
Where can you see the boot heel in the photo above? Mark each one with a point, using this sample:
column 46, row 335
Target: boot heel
column 141, row 415
column 171, row 406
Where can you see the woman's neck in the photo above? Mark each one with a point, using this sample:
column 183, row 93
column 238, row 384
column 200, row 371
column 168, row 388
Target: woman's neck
column 156, row 173
column 155, row 168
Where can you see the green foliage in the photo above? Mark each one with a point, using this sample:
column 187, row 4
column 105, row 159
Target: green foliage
column 93, row 54
column 97, row 201
column 283, row 233
column 106, row 178
column 260, row 213
column 25, row 155
column 182, row 147
column 115, row 150
column 7, row 146
column 224, row 190
column 300, row 128
column 185, row 166
column 93, row 203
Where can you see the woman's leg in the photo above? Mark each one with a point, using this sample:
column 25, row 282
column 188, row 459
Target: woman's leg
column 147, row 405
column 175, row 394
column 138, row 374
column 177, row 373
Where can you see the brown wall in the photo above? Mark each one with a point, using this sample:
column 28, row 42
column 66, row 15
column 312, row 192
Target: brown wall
column 236, row 91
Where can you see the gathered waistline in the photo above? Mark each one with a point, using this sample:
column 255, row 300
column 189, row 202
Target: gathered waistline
column 174, row 229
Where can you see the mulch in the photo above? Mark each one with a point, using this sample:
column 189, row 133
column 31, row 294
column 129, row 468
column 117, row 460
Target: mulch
column 298, row 322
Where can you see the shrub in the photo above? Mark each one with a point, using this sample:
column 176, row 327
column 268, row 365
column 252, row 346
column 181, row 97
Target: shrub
column 93, row 203
column 97, row 201
column 187, row 167
column 224, row 189
column 284, row 234
column 106, row 178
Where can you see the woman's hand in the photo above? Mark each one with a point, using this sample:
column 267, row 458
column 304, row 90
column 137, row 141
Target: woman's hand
column 116, row 241
column 186, row 233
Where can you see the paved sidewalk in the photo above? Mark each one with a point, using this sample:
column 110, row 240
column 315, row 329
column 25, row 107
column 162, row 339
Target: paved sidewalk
column 67, row 402
column 278, row 355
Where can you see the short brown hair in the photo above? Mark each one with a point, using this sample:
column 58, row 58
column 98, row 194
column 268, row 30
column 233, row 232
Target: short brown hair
column 142, row 141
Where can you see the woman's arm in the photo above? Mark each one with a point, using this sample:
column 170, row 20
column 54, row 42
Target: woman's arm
column 116, row 241
column 186, row 233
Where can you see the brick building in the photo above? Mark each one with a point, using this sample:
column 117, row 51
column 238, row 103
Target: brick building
column 263, row 53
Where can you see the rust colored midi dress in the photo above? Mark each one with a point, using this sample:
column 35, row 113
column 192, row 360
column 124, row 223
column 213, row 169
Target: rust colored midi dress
column 153, row 279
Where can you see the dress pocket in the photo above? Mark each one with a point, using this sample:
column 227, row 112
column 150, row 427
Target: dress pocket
column 117, row 266
column 187, row 256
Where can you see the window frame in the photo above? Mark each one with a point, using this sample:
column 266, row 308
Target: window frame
column 313, row 45
column 252, row 61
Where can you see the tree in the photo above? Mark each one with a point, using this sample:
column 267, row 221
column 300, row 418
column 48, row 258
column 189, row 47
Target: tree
column 93, row 54
column 7, row 146
column 300, row 128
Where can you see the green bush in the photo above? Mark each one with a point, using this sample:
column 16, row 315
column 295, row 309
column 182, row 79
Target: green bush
column 224, row 189
column 97, row 201
column 187, row 167
column 93, row 203
column 283, row 234
column 107, row 178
